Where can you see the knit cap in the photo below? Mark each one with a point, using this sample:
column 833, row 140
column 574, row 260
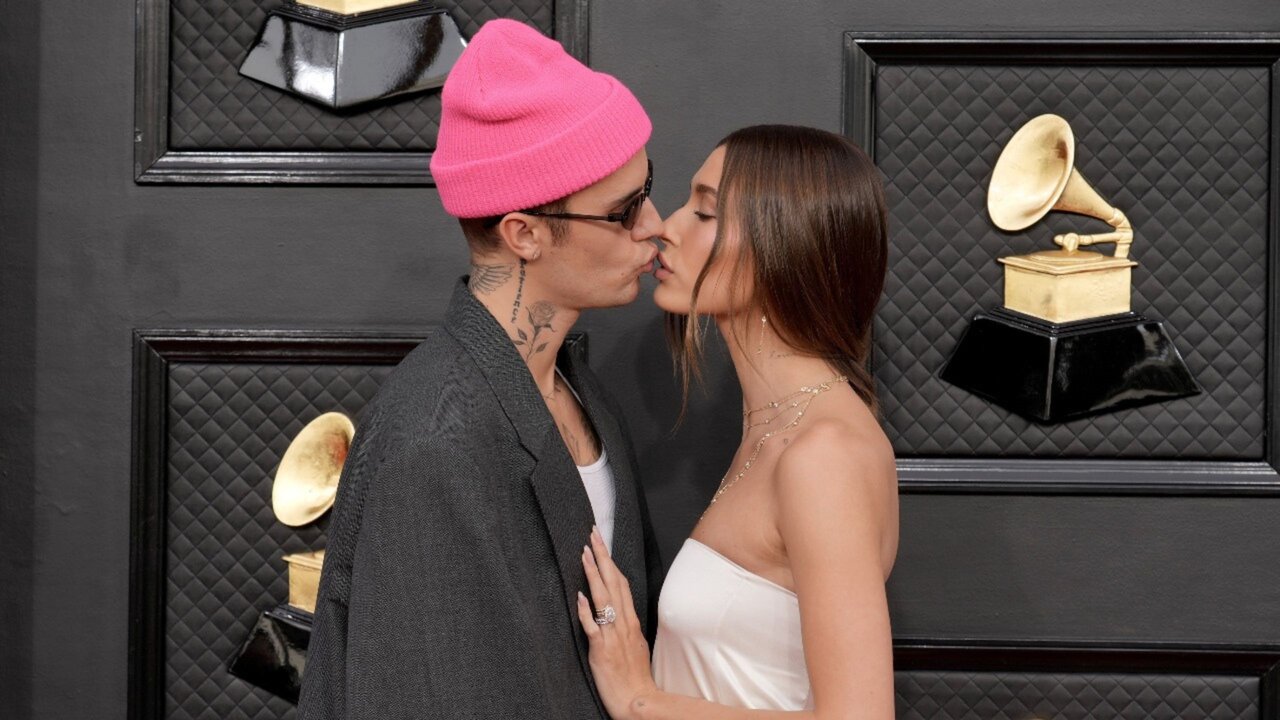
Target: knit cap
column 523, row 124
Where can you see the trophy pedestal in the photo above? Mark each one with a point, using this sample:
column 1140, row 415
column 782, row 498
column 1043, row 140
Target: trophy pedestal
column 340, row 59
column 1052, row 373
column 275, row 654
column 304, row 578
column 1058, row 286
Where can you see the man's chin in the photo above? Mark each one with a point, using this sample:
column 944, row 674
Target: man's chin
column 625, row 296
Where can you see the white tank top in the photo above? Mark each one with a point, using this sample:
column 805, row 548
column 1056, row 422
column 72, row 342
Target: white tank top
column 597, row 478
column 728, row 635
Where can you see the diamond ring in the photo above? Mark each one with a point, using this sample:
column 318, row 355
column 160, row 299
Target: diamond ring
column 606, row 615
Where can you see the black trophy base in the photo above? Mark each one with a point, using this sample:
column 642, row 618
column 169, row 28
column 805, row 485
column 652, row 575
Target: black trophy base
column 275, row 654
column 1054, row 373
column 339, row 61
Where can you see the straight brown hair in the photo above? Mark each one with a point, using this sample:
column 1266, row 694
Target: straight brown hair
column 808, row 206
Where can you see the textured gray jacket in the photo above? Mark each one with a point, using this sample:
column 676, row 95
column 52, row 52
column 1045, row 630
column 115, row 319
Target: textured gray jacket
column 453, row 563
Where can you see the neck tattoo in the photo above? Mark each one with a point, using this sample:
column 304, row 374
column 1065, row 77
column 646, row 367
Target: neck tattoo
column 515, row 308
column 541, row 313
column 487, row 278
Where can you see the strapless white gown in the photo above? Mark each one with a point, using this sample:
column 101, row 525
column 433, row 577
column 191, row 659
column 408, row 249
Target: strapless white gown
column 728, row 635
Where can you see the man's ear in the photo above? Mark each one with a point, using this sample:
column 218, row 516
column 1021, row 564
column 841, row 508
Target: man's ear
column 524, row 235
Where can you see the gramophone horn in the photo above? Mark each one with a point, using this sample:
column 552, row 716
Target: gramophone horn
column 307, row 481
column 1036, row 174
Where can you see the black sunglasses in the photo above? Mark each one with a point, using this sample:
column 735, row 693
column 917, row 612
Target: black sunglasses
column 627, row 217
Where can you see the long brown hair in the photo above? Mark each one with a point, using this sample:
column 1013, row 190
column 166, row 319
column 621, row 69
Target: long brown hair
column 808, row 207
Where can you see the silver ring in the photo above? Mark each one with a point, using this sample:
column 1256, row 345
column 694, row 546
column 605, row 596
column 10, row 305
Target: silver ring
column 606, row 615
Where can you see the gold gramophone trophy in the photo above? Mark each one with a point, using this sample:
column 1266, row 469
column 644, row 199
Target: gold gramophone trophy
column 1066, row 343
column 304, row 489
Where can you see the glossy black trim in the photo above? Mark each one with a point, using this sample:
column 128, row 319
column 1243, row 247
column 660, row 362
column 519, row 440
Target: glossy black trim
column 153, row 351
column 154, row 162
column 337, row 21
column 1084, row 656
column 865, row 52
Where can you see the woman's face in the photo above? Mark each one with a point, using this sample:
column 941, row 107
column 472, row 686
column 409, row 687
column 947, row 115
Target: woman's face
column 688, row 235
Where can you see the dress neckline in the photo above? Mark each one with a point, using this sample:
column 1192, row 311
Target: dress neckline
column 750, row 575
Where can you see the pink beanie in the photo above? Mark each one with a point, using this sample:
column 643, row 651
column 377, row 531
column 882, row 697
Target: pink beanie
column 524, row 124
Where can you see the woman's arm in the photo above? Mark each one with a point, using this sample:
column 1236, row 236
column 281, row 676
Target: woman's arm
column 836, row 499
column 831, row 513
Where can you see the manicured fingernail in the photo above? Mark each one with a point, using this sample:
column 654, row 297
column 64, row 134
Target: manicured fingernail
column 581, row 598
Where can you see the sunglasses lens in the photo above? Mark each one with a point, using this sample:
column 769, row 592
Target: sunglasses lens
column 630, row 214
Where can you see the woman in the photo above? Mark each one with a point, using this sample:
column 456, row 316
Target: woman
column 777, row 600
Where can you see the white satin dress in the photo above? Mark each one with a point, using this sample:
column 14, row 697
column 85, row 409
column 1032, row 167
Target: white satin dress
column 728, row 635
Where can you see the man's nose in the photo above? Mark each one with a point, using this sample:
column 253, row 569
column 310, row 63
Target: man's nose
column 649, row 224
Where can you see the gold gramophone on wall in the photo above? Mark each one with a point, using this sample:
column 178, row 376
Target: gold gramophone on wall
column 1034, row 175
column 274, row 655
column 305, row 487
column 1066, row 343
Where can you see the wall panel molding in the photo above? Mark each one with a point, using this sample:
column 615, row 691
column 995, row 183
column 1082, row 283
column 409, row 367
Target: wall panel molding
column 213, row 411
column 157, row 161
column 1039, row 461
column 1082, row 681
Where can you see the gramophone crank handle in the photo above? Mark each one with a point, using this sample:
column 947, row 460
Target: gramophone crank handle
column 1122, row 236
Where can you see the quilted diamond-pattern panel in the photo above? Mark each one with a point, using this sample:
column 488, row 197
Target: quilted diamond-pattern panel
column 211, row 107
column 1182, row 150
column 1053, row 696
column 228, row 427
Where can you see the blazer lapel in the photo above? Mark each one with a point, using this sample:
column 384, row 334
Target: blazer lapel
column 628, row 535
column 557, row 486
column 566, row 510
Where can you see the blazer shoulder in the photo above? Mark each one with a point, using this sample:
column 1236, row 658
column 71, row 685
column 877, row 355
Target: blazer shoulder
column 438, row 398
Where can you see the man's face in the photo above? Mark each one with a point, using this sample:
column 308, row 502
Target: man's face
column 599, row 263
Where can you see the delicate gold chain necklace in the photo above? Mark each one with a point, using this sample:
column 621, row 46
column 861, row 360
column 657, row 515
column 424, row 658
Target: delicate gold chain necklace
column 805, row 396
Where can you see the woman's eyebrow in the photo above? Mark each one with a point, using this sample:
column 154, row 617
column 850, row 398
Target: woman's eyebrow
column 705, row 189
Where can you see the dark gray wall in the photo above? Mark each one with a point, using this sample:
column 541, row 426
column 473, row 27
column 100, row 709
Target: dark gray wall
column 87, row 256
column 19, row 169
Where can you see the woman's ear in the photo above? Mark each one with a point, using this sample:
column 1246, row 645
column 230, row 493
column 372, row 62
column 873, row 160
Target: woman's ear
column 524, row 235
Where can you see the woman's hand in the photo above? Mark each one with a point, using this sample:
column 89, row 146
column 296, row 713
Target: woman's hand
column 619, row 651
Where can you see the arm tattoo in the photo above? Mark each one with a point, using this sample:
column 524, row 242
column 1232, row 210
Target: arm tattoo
column 541, row 313
column 515, row 308
column 487, row 278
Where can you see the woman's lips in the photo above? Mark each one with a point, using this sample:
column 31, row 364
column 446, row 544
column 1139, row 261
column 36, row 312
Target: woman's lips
column 660, row 269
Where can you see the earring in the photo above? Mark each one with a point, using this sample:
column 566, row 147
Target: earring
column 764, row 320
column 537, row 253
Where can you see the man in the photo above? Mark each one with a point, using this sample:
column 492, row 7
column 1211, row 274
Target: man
column 479, row 470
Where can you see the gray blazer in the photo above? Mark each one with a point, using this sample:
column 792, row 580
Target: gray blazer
column 450, row 584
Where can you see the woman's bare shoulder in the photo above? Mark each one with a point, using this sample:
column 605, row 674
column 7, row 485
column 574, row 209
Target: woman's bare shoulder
column 834, row 447
column 837, row 483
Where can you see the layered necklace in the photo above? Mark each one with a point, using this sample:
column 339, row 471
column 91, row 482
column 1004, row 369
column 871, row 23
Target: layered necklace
column 798, row 401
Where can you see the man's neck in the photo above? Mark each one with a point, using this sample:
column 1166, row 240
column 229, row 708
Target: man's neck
column 535, row 326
